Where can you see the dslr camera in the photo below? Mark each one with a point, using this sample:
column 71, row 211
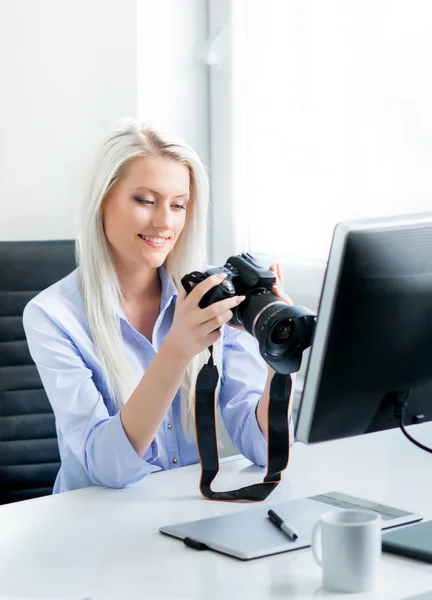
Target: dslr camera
column 283, row 332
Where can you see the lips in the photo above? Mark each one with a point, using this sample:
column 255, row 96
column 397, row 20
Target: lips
column 154, row 241
column 153, row 237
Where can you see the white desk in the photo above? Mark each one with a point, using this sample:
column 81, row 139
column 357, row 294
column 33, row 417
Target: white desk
column 104, row 544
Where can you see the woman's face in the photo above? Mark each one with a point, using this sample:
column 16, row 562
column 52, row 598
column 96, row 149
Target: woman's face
column 145, row 212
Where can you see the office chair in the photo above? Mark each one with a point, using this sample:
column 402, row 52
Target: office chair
column 29, row 455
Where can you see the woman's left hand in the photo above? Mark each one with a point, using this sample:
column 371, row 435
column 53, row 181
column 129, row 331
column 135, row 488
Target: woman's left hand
column 278, row 287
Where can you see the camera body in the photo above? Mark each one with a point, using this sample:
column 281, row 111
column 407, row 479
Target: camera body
column 243, row 275
column 283, row 331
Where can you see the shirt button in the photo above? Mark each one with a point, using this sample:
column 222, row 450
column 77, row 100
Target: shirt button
column 174, row 461
column 169, row 425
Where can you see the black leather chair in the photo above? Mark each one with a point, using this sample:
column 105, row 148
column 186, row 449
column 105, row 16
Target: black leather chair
column 29, row 455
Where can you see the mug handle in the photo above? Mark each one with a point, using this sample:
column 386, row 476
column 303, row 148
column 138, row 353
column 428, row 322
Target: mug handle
column 316, row 532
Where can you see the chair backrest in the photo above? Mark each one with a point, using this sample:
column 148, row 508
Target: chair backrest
column 29, row 456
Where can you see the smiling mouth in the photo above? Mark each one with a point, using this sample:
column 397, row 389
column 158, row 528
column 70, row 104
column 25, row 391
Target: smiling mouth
column 156, row 242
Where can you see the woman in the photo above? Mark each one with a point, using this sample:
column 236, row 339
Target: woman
column 118, row 344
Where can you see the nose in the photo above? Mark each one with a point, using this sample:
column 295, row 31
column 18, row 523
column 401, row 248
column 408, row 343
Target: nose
column 163, row 217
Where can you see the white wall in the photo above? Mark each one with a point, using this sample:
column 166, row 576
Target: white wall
column 172, row 77
column 68, row 69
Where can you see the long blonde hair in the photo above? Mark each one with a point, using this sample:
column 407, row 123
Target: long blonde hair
column 98, row 281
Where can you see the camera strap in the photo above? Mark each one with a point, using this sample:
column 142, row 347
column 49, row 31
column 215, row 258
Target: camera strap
column 278, row 436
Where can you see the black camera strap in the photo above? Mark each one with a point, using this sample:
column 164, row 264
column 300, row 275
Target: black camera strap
column 278, row 436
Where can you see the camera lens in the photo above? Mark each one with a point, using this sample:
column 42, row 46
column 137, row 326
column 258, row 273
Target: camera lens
column 267, row 318
column 282, row 331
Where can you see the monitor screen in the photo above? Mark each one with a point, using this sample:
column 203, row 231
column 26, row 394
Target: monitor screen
column 373, row 336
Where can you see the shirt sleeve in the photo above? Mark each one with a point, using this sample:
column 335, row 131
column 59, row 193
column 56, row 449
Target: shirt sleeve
column 243, row 383
column 97, row 439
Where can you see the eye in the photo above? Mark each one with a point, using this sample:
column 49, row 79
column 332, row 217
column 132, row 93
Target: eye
column 179, row 206
column 142, row 201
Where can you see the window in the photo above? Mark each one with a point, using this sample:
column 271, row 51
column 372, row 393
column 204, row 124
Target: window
column 321, row 111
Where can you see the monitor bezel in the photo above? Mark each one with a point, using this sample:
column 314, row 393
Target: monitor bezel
column 326, row 306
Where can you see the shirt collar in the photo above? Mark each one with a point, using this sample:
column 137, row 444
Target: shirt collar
column 169, row 291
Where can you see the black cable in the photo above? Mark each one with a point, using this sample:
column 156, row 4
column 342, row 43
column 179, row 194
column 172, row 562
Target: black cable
column 399, row 412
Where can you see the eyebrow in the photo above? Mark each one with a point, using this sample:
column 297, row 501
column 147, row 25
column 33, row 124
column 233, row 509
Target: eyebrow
column 185, row 195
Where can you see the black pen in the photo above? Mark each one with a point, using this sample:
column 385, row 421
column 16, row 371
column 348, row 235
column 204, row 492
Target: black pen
column 276, row 519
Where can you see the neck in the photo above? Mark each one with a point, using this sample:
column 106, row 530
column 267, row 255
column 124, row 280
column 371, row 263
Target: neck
column 139, row 285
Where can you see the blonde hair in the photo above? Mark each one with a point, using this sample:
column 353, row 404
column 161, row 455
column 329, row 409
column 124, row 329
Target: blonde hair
column 98, row 281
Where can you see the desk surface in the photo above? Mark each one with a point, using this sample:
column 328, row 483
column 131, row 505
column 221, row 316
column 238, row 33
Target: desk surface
column 104, row 544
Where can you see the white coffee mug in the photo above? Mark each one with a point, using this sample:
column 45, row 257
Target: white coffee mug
column 350, row 549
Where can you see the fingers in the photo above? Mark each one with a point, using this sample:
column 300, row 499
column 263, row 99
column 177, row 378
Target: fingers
column 277, row 270
column 273, row 269
column 213, row 337
column 219, row 308
column 280, row 274
column 219, row 313
column 277, row 291
column 204, row 286
column 278, row 287
column 182, row 295
column 216, row 322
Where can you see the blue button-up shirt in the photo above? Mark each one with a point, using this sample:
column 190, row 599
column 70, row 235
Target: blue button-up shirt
column 94, row 448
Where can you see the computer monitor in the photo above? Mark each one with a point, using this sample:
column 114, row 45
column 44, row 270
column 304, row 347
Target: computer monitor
column 373, row 335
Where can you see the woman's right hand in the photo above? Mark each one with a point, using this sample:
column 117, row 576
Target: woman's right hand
column 194, row 329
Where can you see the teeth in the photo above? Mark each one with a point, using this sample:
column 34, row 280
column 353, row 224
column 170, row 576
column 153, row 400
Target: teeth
column 159, row 241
